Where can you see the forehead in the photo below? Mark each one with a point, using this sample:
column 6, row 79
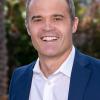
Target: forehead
column 47, row 5
column 46, row 1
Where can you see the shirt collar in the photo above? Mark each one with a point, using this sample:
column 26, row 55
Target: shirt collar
column 36, row 68
column 65, row 68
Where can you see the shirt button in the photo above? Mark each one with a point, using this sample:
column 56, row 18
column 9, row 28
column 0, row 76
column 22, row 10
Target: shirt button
column 49, row 83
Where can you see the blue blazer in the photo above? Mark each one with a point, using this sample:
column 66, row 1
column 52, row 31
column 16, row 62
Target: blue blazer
column 84, row 83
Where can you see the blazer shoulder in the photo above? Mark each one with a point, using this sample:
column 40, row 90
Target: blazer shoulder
column 93, row 61
column 25, row 67
column 19, row 71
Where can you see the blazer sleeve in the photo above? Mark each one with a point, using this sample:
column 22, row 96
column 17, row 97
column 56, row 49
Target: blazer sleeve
column 12, row 86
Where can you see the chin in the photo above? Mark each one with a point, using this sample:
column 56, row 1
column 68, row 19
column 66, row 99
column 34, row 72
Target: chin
column 48, row 54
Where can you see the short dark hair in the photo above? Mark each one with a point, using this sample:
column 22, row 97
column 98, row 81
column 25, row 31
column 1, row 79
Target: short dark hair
column 70, row 4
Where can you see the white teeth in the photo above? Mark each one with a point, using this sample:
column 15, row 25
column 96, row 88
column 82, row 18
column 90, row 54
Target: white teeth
column 49, row 38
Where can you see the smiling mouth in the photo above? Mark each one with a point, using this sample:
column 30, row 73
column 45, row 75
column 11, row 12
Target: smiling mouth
column 49, row 38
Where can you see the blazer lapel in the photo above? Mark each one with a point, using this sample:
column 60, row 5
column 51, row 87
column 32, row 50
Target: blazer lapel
column 25, row 84
column 79, row 78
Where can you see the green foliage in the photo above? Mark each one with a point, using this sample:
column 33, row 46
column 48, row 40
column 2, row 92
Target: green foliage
column 20, row 49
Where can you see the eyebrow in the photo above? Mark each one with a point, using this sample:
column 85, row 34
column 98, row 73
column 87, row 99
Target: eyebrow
column 33, row 17
column 55, row 15
column 58, row 15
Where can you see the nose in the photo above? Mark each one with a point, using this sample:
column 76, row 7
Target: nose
column 48, row 25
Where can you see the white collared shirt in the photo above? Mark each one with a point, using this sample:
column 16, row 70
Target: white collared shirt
column 56, row 86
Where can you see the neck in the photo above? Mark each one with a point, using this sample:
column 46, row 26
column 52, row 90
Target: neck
column 49, row 65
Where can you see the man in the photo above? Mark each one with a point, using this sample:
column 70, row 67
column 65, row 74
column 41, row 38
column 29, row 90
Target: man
column 61, row 72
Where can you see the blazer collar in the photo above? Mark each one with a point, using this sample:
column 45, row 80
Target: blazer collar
column 80, row 77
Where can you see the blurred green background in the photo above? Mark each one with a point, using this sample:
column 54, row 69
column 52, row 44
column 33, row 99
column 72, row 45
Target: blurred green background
column 15, row 45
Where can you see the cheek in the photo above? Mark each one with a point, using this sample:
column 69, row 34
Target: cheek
column 66, row 30
column 33, row 33
column 35, row 29
column 67, row 34
column 65, row 26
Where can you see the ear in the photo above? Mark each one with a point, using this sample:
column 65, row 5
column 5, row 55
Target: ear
column 75, row 24
column 27, row 27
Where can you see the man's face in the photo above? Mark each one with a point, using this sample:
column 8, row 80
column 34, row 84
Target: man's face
column 50, row 27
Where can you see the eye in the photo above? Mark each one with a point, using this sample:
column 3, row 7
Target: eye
column 36, row 18
column 57, row 18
